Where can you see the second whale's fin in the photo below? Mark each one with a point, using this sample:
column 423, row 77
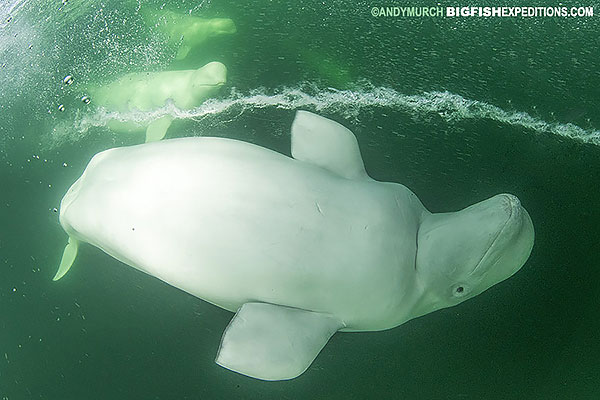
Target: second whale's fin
column 69, row 255
column 158, row 129
column 272, row 342
column 182, row 52
column 326, row 143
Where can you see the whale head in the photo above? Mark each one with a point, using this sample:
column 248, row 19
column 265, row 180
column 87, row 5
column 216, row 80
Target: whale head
column 461, row 254
column 213, row 74
column 206, row 81
column 222, row 26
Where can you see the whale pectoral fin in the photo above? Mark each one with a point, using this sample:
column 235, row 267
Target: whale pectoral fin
column 271, row 342
column 158, row 129
column 69, row 255
column 182, row 52
column 326, row 143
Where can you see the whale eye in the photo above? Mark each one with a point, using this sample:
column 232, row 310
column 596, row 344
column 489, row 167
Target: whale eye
column 460, row 290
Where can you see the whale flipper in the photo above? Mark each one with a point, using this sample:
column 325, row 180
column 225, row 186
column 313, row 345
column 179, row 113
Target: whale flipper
column 158, row 129
column 326, row 143
column 69, row 255
column 182, row 52
column 272, row 342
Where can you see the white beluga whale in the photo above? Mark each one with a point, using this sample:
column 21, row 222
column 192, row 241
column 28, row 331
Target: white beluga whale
column 150, row 91
column 188, row 31
column 299, row 248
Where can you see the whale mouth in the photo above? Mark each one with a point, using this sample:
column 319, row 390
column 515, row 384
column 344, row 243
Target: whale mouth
column 512, row 205
column 221, row 83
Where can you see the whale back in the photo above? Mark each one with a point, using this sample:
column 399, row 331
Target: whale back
column 298, row 247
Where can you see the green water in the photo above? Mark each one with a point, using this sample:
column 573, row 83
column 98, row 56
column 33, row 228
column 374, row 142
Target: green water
column 457, row 109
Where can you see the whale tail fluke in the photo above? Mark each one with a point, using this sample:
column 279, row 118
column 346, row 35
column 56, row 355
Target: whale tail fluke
column 69, row 255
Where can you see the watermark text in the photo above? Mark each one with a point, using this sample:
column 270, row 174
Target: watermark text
column 523, row 12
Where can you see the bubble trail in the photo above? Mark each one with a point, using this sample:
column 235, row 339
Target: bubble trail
column 452, row 108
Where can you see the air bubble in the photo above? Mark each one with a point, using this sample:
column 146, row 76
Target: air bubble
column 61, row 107
column 86, row 99
column 68, row 80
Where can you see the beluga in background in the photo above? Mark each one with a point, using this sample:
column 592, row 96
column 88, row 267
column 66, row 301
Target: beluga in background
column 299, row 248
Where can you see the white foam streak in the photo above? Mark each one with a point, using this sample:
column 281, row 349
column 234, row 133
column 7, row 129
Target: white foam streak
column 350, row 103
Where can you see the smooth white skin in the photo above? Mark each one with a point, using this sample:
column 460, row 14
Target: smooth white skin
column 145, row 91
column 193, row 31
column 148, row 91
column 232, row 223
column 462, row 254
column 186, row 30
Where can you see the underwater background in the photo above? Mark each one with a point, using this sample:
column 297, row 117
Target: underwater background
column 456, row 109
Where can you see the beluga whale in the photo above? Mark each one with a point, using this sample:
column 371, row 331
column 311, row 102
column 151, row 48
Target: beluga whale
column 148, row 92
column 187, row 31
column 298, row 247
